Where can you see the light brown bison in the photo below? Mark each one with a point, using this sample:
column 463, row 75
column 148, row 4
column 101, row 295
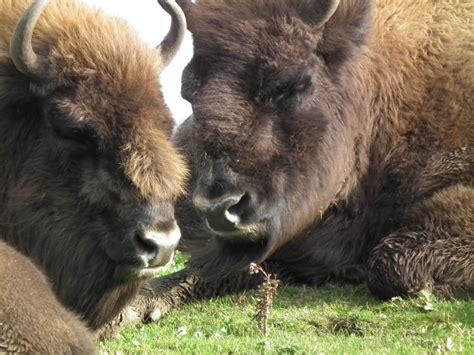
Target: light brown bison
column 31, row 318
column 331, row 140
column 88, row 175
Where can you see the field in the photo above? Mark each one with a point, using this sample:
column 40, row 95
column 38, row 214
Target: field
column 329, row 320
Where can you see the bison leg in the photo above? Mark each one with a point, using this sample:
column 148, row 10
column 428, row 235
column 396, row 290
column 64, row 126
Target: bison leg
column 159, row 296
column 155, row 298
column 435, row 251
column 407, row 262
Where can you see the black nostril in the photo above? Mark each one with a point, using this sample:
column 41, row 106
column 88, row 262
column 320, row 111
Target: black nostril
column 146, row 247
column 228, row 202
column 216, row 205
column 239, row 207
column 222, row 213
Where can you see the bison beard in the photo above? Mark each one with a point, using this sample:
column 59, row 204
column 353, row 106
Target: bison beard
column 88, row 176
column 333, row 141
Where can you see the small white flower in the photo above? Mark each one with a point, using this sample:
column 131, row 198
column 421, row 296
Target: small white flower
column 428, row 306
column 182, row 331
column 198, row 335
column 449, row 344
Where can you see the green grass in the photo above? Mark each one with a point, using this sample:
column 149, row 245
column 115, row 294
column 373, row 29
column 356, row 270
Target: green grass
column 330, row 320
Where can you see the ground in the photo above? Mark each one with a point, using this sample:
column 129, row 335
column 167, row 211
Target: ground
column 329, row 320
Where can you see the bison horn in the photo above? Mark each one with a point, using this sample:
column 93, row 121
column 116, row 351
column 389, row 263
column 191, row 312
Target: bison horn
column 172, row 42
column 21, row 49
column 325, row 11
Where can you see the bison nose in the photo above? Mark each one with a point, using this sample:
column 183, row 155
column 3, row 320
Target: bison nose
column 221, row 213
column 156, row 247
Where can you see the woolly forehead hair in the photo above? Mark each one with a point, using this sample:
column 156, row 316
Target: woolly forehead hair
column 214, row 13
column 154, row 166
column 249, row 30
column 85, row 40
column 116, row 82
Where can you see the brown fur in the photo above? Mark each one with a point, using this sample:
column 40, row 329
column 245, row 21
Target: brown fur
column 31, row 318
column 86, row 159
column 107, row 57
column 347, row 148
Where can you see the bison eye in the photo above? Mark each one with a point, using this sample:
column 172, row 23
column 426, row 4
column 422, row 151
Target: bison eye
column 74, row 137
column 69, row 132
column 76, row 134
column 281, row 92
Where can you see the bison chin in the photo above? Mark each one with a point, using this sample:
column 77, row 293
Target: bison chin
column 236, row 233
column 232, row 219
column 231, row 251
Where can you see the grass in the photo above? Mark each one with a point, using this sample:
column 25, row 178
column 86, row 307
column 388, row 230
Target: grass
column 330, row 320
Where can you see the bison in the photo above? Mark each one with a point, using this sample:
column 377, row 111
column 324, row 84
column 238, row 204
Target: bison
column 89, row 176
column 31, row 318
column 332, row 141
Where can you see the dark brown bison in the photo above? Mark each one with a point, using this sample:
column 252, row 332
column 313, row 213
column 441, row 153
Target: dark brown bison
column 31, row 318
column 331, row 140
column 88, row 174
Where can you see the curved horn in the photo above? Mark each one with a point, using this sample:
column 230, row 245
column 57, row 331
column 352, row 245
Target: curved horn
column 332, row 7
column 21, row 49
column 172, row 42
column 323, row 10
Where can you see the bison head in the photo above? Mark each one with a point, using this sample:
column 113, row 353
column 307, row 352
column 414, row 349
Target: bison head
column 273, row 136
column 89, row 176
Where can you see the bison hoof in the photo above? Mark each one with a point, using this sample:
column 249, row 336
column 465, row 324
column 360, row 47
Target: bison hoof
column 132, row 316
column 153, row 316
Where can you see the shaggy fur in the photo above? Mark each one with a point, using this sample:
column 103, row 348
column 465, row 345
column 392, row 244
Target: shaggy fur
column 31, row 318
column 346, row 149
column 86, row 160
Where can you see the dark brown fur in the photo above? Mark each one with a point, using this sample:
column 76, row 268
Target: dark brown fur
column 348, row 147
column 31, row 318
column 86, row 159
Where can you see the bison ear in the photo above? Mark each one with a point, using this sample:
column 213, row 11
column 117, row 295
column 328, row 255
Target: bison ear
column 345, row 25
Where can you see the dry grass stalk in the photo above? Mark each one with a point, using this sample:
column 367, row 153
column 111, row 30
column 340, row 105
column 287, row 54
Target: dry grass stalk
column 267, row 292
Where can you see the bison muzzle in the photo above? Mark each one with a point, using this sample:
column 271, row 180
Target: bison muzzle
column 332, row 141
column 88, row 177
